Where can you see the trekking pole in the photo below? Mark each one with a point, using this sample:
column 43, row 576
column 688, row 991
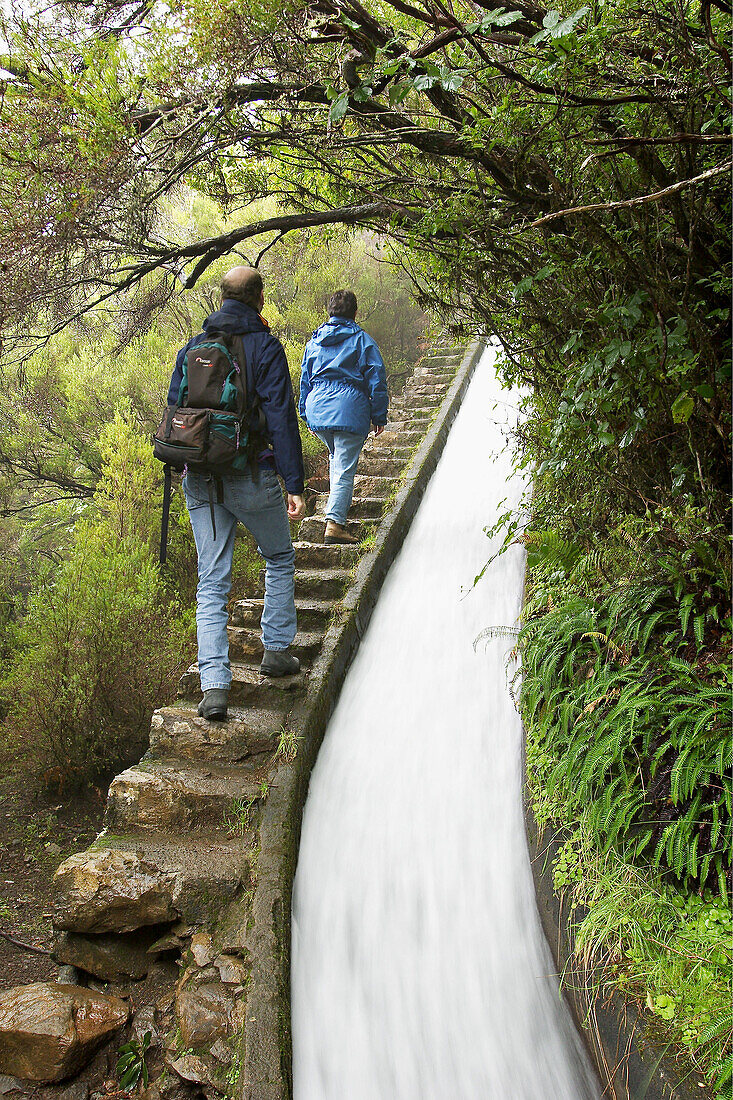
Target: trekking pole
column 166, row 512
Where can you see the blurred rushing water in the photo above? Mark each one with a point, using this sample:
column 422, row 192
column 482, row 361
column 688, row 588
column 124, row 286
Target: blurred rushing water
column 420, row 971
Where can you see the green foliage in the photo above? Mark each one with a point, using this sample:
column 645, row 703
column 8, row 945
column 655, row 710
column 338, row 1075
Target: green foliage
column 632, row 721
column 626, row 696
column 131, row 1067
column 669, row 951
column 79, row 692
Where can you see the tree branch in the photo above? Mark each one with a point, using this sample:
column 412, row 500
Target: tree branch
column 654, row 197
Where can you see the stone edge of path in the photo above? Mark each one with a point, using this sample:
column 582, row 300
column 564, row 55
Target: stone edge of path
column 266, row 1044
column 629, row 1063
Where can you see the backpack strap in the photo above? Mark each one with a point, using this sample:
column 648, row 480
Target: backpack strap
column 166, row 512
column 214, row 482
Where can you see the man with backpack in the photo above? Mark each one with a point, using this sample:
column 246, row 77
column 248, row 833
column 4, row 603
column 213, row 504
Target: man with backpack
column 343, row 391
column 247, row 489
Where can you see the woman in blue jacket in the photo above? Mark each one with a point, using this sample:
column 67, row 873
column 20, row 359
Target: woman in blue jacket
column 343, row 391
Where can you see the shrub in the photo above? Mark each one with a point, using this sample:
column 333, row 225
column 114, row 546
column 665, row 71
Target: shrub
column 103, row 638
column 101, row 645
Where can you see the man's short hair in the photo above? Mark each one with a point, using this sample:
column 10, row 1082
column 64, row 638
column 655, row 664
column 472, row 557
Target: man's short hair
column 342, row 303
column 243, row 284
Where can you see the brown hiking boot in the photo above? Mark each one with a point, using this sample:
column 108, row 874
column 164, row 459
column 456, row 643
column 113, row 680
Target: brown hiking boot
column 336, row 534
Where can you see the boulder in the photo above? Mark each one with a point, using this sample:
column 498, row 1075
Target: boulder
column 108, row 955
column 204, row 1015
column 194, row 1068
column 202, row 949
column 109, row 890
column 232, row 971
column 48, row 1031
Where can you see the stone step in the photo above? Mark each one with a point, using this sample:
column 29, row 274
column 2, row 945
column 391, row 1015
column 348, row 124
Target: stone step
column 312, row 527
column 248, row 687
column 124, row 882
column 245, row 645
column 172, row 793
column 409, row 431
column 438, row 373
column 425, row 407
column 407, row 437
column 322, row 584
column 432, row 389
column 363, row 508
column 178, row 731
column 374, row 486
column 378, row 464
column 312, row 614
column 310, row 556
column 402, row 451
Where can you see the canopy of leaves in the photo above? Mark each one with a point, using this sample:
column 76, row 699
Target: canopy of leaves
column 559, row 175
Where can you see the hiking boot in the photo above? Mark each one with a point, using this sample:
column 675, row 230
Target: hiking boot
column 279, row 662
column 213, row 706
column 335, row 534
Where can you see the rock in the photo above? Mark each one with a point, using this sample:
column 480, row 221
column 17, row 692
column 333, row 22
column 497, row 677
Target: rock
column 169, row 1087
column 52, row 848
column 202, row 948
column 78, row 1091
column 108, row 956
column 222, row 1052
column 68, row 975
column 145, row 1021
column 12, row 1087
column 109, row 890
column 232, row 970
column 193, row 1068
column 204, row 1015
column 49, row 1031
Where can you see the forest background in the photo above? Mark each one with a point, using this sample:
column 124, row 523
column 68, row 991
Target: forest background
column 557, row 177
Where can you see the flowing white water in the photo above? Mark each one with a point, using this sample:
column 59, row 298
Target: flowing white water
column 419, row 967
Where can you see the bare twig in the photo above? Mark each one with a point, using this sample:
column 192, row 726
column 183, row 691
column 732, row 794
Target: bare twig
column 25, row 946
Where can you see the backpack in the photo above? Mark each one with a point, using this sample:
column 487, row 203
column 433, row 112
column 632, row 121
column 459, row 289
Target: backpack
column 213, row 428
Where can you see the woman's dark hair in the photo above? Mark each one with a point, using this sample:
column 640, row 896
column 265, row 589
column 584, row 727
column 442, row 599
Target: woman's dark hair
column 342, row 303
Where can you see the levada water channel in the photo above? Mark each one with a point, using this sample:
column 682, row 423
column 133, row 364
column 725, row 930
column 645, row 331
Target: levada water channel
column 419, row 967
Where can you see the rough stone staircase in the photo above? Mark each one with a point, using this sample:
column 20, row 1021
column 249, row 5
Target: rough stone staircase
column 175, row 869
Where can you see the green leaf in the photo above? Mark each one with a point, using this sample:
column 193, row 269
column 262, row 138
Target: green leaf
column 398, row 93
column 567, row 26
column 132, row 1076
column 339, row 107
column 682, row 408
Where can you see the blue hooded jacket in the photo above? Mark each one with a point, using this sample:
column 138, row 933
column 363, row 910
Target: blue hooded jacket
column 268, row 376
column 343, row 385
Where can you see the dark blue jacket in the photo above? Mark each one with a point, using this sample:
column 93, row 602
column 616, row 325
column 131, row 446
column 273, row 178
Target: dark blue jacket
column 268, row 376
column 342, row 381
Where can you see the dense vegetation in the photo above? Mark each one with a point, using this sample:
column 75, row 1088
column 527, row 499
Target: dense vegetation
column 557, row 177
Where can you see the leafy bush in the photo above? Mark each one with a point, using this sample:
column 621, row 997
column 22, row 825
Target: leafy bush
column 103, row 639
column 632, row 725
column 99, row 648
column 669, row 952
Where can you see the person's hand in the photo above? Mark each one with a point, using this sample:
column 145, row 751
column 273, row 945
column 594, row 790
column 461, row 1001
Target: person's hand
column 378, row 428
column 296, row 506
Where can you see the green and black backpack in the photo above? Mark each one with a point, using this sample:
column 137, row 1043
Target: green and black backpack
column 215, row 426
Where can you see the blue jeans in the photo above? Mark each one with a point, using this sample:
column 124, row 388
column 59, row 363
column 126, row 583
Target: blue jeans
column 258, row 503
column 344, row 449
